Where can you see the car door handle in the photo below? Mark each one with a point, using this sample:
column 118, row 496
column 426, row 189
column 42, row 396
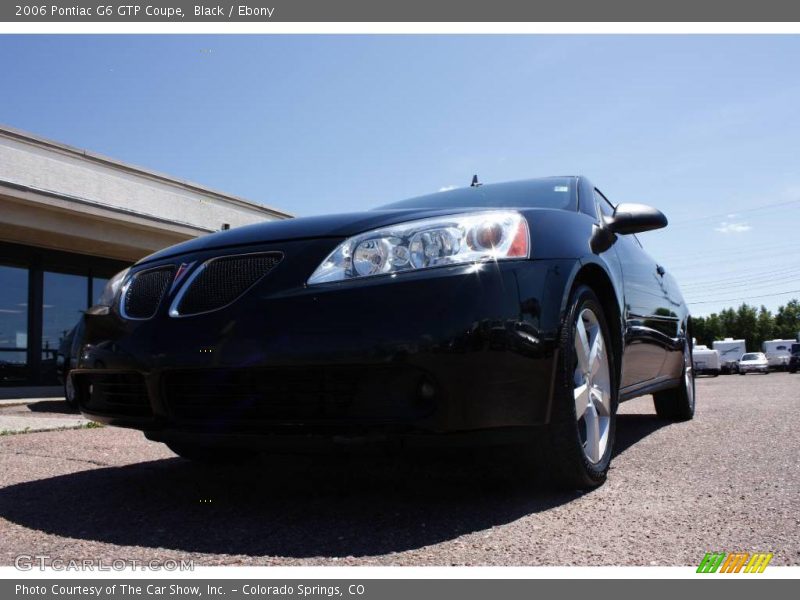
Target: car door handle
column 660, row 270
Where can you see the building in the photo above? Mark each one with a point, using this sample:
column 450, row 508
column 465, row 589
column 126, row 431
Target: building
column 69, row 220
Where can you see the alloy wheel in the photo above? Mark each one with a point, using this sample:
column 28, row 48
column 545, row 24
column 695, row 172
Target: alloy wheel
column 592, row 389
column 69, row 390
column 688, row 375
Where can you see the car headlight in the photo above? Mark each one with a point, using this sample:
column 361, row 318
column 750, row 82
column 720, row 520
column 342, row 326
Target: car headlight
column 112, row 288
column 435, row 242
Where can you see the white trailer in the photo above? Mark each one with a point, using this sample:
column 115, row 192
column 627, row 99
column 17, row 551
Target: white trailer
column 705, row 360
column 778, row 353
column 730, row 351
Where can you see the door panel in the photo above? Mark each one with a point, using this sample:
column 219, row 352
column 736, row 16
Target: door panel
column 650, row 324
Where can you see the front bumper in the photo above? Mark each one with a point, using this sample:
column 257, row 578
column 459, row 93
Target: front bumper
column 445, row 350
column 753, row 369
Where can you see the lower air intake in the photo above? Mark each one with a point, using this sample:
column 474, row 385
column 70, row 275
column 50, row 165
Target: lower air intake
column 221, row 281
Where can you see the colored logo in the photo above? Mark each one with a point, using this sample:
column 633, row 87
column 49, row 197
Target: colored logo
column 182, row 270
column 735, row 562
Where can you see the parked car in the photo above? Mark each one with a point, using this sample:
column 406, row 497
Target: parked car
column 706, row 361
column 524, row 311
column 753, row 362
column 794, row 361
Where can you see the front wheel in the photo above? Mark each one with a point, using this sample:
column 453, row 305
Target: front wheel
column 677, row 404
column 575, row 448
column 69, row 392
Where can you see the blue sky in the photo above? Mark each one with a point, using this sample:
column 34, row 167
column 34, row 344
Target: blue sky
column 706, row 128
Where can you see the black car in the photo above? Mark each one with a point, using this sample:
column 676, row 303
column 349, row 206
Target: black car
column 794, row 362
column 67, row 359
column 519, row 311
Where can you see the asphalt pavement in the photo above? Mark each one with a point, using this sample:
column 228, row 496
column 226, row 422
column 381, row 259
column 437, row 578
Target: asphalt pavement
column 727, row 481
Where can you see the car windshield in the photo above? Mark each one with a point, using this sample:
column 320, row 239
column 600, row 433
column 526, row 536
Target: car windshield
column 750, row 357
column 549, row 192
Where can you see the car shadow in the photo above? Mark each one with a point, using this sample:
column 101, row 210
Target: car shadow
column 336, row 505
column 631, row 428
column 53, row 406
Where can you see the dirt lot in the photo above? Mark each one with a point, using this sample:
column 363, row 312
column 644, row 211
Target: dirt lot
column 729, row 480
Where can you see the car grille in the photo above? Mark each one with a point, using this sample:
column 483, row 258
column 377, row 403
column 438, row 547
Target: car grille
column 220, row 281
column 296, row 395
column 144, row 293
column 113, row 393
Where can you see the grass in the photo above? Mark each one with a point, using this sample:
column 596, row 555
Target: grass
column 89, row 425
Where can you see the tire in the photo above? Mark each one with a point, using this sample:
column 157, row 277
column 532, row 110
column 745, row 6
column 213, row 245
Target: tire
column 210, row 454
column 69, row 392
column 677, row 404
column 574, row 451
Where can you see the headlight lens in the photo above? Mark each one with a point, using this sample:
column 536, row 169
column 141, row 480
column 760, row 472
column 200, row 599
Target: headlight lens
column 112, row 289
column 450, row 240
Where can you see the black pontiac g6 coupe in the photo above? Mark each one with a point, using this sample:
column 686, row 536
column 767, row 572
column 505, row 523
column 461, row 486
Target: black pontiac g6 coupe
column 521, row 311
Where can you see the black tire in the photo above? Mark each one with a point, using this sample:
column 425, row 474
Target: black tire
column 677, row 404
column 559, row 451
column 210, row 454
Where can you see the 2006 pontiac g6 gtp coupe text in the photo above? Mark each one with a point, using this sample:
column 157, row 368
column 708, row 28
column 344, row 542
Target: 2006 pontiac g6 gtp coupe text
column 524, row 311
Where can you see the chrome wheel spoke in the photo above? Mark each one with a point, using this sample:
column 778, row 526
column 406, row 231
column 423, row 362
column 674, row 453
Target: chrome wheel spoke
column 581, row 399
column 596, row 357
column 582, row 348
column 601, row 402
column 592, row 446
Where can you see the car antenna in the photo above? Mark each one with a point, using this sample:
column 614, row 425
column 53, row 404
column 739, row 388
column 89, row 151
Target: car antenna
column 475, row 182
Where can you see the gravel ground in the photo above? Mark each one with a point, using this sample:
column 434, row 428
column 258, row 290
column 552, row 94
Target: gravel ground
column 729, row 480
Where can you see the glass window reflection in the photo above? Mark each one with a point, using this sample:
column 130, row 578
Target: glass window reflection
column 98, row 285
column 64, row 302
column 13, row 324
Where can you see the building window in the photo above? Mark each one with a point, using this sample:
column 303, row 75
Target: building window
column 98, row 285
column 13, row 325
column 64, row 300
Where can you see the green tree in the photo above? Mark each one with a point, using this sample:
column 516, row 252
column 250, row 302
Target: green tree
column 713, row 329
column 787, row 320
column 765, row 326
column 727, row 321
column 699, row 330
column 745, row 326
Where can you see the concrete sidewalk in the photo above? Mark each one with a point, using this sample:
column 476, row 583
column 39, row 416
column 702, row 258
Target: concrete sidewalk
column 37, row 414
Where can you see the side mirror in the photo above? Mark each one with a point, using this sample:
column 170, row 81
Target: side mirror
column 635, row 218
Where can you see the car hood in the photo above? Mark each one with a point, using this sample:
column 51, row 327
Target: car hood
column 333, row 226
column 753, row 363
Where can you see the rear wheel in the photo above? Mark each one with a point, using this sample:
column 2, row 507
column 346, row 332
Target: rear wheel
column 575, row 449
column 677, row 404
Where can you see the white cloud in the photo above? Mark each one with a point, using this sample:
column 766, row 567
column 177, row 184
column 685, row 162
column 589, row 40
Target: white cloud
column 726, row 227
column 447, row 188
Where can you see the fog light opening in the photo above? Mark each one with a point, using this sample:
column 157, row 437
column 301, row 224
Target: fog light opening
column 426, row 391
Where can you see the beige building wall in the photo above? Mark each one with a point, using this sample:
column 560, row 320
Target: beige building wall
column 63, row 198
